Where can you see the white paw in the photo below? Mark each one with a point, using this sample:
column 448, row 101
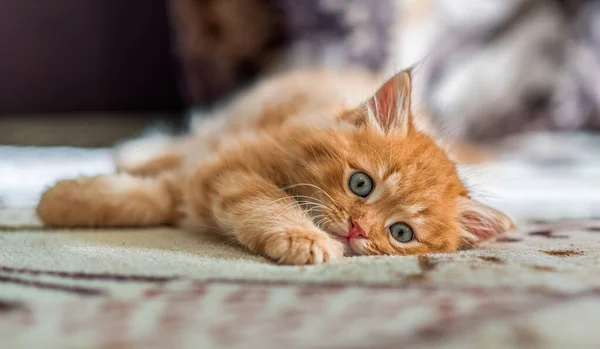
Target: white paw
column 299, row 247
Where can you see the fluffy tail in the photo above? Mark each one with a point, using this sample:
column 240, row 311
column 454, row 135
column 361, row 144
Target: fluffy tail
column 119, row 200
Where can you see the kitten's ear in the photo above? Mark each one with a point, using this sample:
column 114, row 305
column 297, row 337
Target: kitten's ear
column 479, row 222
column 389, row 108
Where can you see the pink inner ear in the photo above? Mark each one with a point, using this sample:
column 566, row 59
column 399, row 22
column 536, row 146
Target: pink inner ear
column 386, row 103
column 481, row 228
column 480, row 222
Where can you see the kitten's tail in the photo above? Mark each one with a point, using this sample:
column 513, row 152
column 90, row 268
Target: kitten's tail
column 119, row 200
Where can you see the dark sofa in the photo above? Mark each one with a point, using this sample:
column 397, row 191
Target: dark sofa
column 86, row 56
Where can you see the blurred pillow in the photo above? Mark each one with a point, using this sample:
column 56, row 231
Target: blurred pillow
column 515, row 66
column 225, row 44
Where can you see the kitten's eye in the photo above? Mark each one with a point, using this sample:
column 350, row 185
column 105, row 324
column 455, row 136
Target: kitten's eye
column 402, row 232
column 361, row 184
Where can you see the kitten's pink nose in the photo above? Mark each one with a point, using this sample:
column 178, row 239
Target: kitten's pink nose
column 356, row 231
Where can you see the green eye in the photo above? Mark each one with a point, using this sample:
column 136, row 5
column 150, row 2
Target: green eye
column 361, row 184
column 402, row 232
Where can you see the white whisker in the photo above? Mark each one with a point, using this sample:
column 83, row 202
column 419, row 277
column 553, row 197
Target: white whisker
column 312, row 186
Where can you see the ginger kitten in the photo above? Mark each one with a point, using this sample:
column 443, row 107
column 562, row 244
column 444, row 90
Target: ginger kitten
column 303, row 168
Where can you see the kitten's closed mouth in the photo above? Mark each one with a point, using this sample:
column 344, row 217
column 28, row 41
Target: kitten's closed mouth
column 348, row 239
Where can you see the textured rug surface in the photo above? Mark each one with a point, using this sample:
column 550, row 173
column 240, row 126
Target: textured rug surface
column 537, row 287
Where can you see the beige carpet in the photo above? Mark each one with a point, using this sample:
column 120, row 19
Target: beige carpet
column 539, row 287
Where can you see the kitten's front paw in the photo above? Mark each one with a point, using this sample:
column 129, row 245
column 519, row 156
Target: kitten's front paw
column 299, row 247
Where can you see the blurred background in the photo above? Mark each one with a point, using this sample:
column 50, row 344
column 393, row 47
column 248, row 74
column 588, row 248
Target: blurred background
column 487, row 68
column 521, row 77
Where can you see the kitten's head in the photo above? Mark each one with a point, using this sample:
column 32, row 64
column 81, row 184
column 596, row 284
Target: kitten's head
column 389, row 188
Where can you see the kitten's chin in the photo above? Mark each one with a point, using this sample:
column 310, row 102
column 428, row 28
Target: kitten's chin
column 342, row 245
column 349, row 251
column 339, row 232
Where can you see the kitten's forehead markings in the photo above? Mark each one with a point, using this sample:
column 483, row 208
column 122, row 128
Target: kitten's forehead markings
column 393, row 180
column 388, row 184
column 414, row 210
column 380, row 187
column 375, row 195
